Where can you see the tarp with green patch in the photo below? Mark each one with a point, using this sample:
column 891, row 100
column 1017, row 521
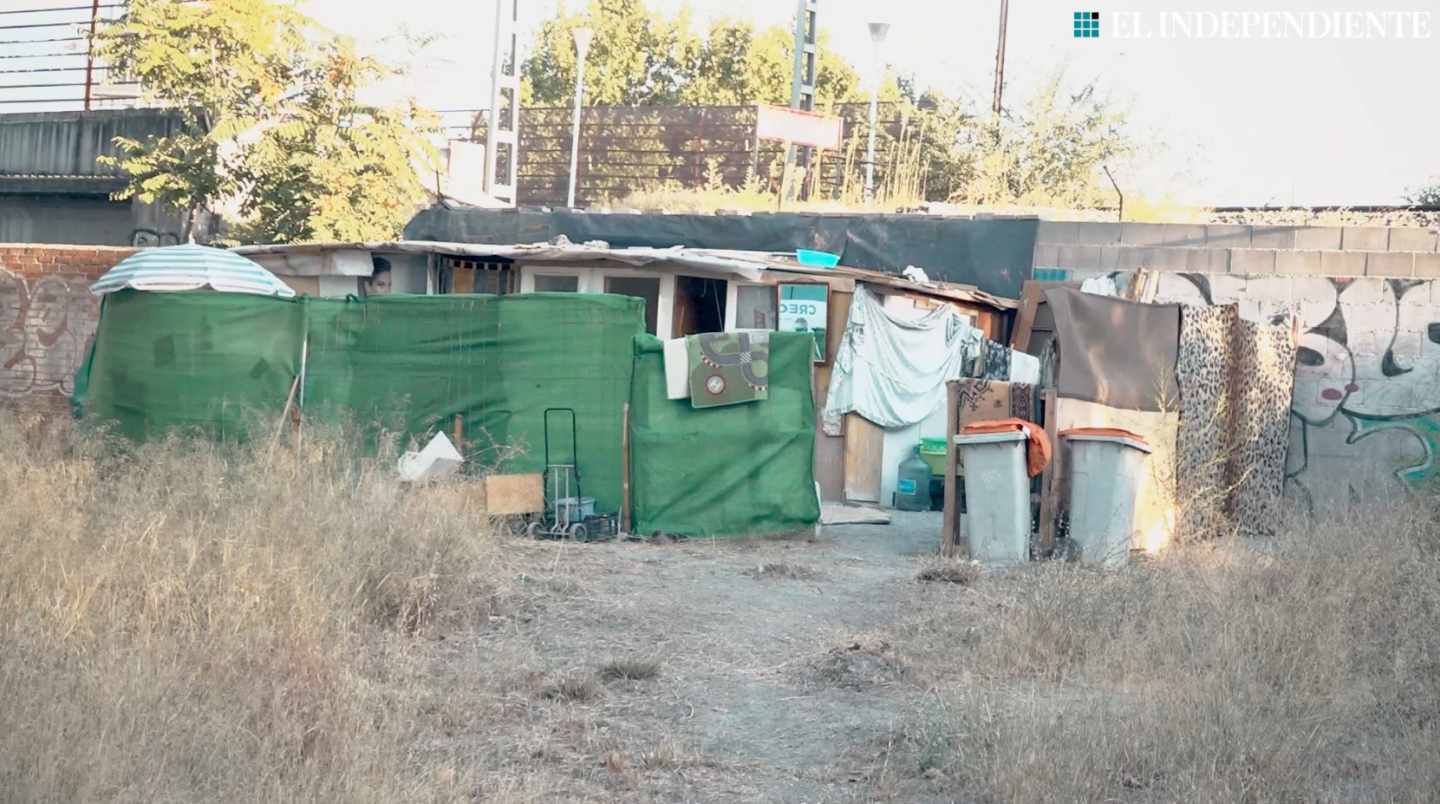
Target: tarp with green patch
column 728, row 368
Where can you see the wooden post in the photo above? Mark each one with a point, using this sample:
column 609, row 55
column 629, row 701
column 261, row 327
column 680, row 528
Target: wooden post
column 951, row 522
column 1050, row 481
column 625, row 469
column 459, row 433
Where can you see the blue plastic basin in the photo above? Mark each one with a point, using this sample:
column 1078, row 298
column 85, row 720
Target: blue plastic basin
column 817, row 259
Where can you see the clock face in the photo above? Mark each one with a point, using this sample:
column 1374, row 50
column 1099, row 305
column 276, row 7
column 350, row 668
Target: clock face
column 715, row 383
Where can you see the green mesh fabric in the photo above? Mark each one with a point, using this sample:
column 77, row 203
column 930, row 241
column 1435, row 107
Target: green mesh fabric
column 738, row 470
column 200, row 360
column 405, row 364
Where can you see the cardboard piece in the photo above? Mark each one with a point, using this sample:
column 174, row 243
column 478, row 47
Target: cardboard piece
column 508, row 495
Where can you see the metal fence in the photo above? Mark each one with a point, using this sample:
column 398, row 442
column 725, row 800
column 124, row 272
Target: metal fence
column 47, row 58
column 628, row 149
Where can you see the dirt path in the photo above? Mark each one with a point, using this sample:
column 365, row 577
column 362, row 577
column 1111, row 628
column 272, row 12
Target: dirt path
column 771, row 680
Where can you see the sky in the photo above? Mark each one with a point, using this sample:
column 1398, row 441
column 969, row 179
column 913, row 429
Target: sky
column 1233, row 121
column 1228, row 121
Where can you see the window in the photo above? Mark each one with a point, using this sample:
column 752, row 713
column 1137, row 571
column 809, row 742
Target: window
column 755, row 307
column 556, row 283
column 642, row 287
column 699, row 305
column 460, row 275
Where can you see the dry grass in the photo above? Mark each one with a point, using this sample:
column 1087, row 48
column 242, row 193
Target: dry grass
column 1305, row 668
column 963, row 573
column 781, row 571
column 191, row 622
column 630, row 669
column 572, row 688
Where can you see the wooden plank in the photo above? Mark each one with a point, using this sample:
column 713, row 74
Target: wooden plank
column 950, row 527
column 507, row 495
column 864, row 451
column 625, row 469
column 1032, row 296
column 303, row 285
column 1049, row 486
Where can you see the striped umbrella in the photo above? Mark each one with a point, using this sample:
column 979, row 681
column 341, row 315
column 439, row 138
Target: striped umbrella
column 190, row 267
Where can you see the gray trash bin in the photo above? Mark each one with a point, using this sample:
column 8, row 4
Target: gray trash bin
column 997, row 496
column 1106, row 470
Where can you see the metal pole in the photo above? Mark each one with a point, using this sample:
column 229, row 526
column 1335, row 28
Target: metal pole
column 878, row 31
column 575, row 133
column 90, row 52
column 582, row 47
column 1000, row 56
column 870, row 149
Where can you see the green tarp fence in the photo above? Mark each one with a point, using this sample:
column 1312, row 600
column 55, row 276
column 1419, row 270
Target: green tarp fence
column 729, row 471
column 220, row 363
column 407, row 364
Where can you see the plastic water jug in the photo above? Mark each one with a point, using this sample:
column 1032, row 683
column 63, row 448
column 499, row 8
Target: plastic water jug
column 912, row 484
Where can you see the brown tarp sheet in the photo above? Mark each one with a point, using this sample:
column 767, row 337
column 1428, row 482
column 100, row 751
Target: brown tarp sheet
column 1115, row 352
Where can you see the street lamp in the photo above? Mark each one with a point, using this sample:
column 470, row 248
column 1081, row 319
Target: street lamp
column 878, row 30
column 582, row 47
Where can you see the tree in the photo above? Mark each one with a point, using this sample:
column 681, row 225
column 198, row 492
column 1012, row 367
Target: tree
column 1050, row 152
column 640, row 58
column 1425, row 196
column 637, row 57
column 269, row 116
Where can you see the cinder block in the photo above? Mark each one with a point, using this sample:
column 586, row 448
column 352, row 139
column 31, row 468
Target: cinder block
column 1046, row 256
column 1365, row 238
column 1318, row 238
column 1272, row 237
column 1172, row 259
column 1130, row 258
column 1097, row 233
column 1395, row 263
column 1422, row 240
column 1207, row 260
column 1092, row 258
column 1427, row 265
column 1252, row 261
column 1297, row 262
column 1227, row 236
column 1342, row 263
column 1162, row 234
column 1109, row 257
column 1056, row 232
column 1066, row 257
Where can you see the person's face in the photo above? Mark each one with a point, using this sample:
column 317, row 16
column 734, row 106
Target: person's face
column 379, row 284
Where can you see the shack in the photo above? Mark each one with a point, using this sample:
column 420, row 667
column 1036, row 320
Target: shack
column 687, row 291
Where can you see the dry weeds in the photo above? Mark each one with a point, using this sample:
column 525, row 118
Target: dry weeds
column 1303, row 668
column 954, row 571
column 783, row 571
column 190, row 622
column 630, row 669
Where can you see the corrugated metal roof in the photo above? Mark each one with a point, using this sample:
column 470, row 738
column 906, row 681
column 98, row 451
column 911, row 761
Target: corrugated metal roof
column 746, row 264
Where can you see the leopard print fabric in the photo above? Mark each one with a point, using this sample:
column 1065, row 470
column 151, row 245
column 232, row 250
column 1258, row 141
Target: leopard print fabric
column 1235, row 380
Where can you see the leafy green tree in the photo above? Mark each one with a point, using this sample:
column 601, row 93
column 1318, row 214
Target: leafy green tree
column 1050, row 151
column 269, row 116
column 637, row 57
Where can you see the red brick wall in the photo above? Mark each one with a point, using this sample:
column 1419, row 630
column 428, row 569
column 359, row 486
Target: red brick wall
column 47, row 318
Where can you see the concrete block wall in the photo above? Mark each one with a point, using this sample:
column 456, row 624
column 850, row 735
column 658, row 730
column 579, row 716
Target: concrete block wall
column 1076, row 250
column 47, row 319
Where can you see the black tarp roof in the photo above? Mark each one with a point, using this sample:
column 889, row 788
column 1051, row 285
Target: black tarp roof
column 993, row 254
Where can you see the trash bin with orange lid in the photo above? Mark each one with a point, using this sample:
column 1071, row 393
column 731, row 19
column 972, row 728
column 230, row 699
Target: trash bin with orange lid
column 1106, row 469
column 997, row 492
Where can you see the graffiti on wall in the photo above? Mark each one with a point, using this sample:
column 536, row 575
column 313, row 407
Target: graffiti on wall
column 45, row 327
column 1367, row 374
